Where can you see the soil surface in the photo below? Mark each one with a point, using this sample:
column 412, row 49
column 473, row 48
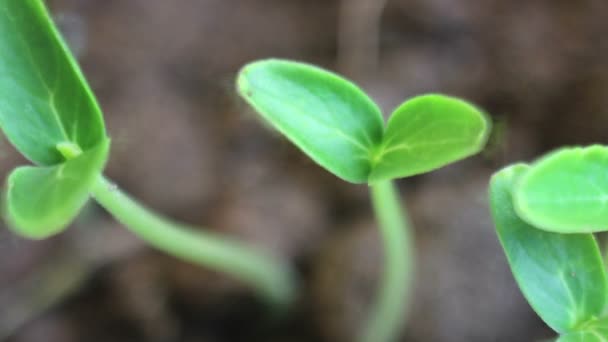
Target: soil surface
column 186, row 145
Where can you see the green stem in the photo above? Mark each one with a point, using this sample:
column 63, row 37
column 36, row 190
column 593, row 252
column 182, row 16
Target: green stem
column 272, row 278
column 388, row 313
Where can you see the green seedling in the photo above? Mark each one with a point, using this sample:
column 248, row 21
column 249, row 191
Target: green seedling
column 545, row 216
column 48, row 112
column 337, row 125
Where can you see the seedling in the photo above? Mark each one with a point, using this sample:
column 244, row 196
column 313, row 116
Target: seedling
column 342, row 129
column 48, row 112
column 545, row 216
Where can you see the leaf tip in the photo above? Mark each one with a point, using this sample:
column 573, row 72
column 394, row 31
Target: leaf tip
column 245, row 74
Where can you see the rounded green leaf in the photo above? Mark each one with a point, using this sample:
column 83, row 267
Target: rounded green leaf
column 44, row 98
column 567, row 191
column 561, row 275
column 326, row 116
column 43, row 200
column 426, row 133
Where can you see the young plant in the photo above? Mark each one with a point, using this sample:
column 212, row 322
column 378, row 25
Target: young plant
column 48, row 112
column 342, row 129
column 545, row 216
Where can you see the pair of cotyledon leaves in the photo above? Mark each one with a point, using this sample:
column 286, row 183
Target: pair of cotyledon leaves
column 342, row 129
column 49, row 114
column 545, row 215
column 46, row 108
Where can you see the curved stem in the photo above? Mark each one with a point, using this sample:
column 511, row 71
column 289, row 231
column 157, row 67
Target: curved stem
column 388, row 313
column 272, row 278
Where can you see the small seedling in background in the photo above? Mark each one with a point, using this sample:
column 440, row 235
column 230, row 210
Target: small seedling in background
column 545, row 216
column 48, row 112
column 342, row 129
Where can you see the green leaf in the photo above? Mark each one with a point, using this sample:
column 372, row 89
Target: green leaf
column 567, row 191
column 561, row 275
column 327, row 117
column 595, row 331
column 426, row 133
column 585, row 336
column 339, row 127
column 44, row 98
column 42, row 200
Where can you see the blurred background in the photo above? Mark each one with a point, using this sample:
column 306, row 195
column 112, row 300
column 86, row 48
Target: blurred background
column 187, row 146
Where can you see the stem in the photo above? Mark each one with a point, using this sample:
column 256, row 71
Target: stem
column 388, row 313
column 272, row 278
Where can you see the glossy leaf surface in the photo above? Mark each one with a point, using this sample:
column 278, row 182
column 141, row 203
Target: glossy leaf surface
column 339, row 127
column 327, row 117
column 561, row 275
column 585, row 336
column 567, row 191
column 426, row 133
column 42, row 200
column 596, row 331
column 44, row 99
